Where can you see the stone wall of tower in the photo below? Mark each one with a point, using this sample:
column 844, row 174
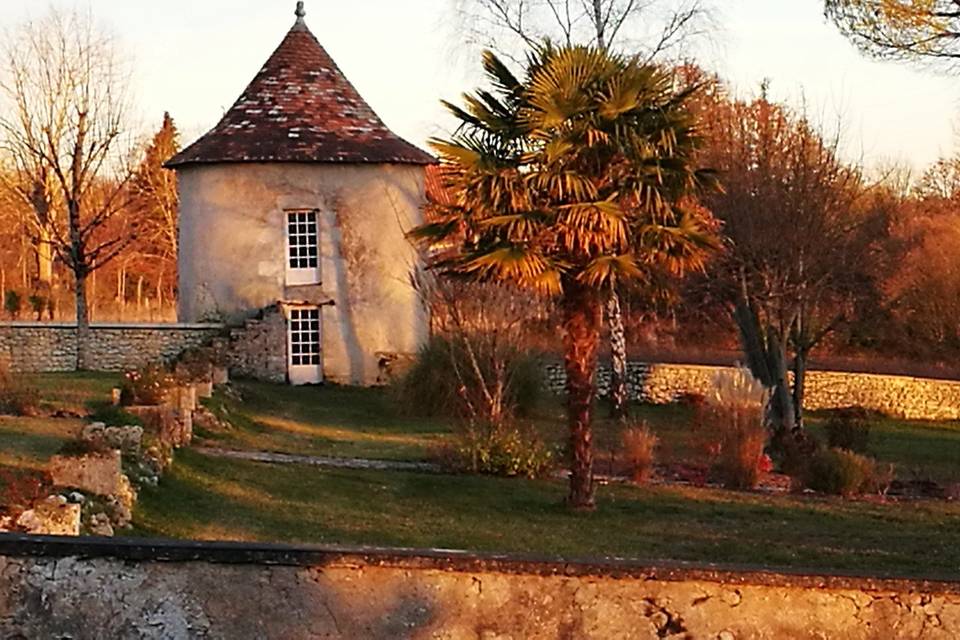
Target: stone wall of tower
column 233, row 253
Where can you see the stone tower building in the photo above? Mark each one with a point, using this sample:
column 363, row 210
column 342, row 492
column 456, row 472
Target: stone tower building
column 293, row 210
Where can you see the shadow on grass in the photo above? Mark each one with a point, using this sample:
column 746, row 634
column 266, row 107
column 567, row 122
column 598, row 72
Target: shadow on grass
column 225, row 499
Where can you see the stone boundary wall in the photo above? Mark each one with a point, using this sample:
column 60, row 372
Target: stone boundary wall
column 899, row 396
column 113, row 588
column 52, row 347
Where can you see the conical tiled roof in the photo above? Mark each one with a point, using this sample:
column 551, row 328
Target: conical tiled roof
column 301, row 108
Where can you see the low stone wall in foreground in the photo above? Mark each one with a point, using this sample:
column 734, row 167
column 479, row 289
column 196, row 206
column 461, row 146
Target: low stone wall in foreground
column 51, row 347
column 51, row 587
column 899, row 396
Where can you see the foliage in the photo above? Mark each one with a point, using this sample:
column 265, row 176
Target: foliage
column 112, row 415
column 801, row 237
column 20, row 489
column 18, row 396
column 900, row 29
column 196, row 364
column 78, row 448
column 12, row 303
column 845, row 473
column 732, row 416
column 639, row 447
column 848, row 429
column 38, row 304
column 565, row 181
column 477, row 366
column 504, row 450
column 148, row 385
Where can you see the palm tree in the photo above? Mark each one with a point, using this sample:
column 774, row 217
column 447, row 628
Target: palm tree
column 575, row 177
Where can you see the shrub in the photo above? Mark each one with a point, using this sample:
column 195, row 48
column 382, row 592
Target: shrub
column 20, row 489
column 732, row 416
column 845, row 473
column 17, row 396
column 442, row 380
column 639, row 446
column 149, row 385
column 37, row 304
column 848, row 429
column 501, row 451
column 12, row 303
column 112, row 415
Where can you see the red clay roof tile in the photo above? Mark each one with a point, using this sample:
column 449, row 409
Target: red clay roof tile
column 301, row 108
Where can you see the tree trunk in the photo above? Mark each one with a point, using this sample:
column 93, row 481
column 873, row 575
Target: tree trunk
column 618, row 357
column 83, row 322
column 582, row 317
column 799, row 384
column 45, row 256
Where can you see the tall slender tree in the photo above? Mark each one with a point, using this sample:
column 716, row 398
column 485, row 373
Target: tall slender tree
column 575, row 176
column 156, row 202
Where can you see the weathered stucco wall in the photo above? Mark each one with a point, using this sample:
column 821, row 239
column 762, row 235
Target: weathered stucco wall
column 901, row 396
column 232, row 252
column 115, row 589
column 30, row 346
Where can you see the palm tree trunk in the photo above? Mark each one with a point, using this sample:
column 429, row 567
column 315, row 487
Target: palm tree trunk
column 582, row 317
column 618, row 357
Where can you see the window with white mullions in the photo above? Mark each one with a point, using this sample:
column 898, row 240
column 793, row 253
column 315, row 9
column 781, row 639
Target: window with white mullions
column 304, row 337
column 303, row 253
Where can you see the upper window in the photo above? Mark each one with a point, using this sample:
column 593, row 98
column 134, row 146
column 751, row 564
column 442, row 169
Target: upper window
column 303, row 254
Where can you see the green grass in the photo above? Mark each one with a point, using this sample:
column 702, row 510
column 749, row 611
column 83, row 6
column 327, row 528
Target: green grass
column 29, row 442
column 329, row 420
column 924, row 450
column 75, row 390
column 208, row 498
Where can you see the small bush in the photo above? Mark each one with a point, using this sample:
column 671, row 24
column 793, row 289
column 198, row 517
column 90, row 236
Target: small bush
column 17, row 396
column 38, row 305
column 732, row 418
column 845, row 473
column 112, row 415
column 79, row 448
column 430, row 385
column 20, row 489
column 848, row 429
column 149, row 385
column 639, row 446
column 500, row 451
column 12, row 303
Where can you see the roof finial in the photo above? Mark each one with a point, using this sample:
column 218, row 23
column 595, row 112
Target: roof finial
column 301, row 12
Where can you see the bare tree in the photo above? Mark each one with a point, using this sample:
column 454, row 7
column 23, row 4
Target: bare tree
column 651, row 28
column 65, row 128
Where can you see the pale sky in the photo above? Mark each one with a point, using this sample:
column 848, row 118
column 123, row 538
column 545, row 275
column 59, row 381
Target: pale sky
column 194, row 57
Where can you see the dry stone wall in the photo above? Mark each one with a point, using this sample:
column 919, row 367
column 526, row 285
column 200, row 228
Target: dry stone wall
column 900, row 396
column 49, row 347
column 131, row 589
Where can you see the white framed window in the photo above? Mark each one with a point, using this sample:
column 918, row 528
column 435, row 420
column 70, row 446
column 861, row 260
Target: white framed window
column 305, row 362
column 303, row 247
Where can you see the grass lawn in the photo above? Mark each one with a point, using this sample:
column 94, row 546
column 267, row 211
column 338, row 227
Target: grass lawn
column 208, row 498
column 355, row 422
column 920, row 450
column 328, row 420
column 29, row 442
column 74, row 390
